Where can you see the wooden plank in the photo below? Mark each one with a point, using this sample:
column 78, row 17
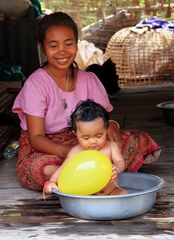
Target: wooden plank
column 25, row 214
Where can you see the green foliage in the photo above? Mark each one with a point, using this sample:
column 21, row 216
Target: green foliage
column 89, row 11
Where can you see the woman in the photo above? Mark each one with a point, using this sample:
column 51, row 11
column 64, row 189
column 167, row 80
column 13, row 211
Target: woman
column 48, row 98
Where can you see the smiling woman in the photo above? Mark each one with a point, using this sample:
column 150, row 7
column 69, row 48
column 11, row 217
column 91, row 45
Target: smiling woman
column 47, row 99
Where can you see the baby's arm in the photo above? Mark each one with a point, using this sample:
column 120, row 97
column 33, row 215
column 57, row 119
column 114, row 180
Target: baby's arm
column 52, row 183
column 118, row 166
column 117, row 157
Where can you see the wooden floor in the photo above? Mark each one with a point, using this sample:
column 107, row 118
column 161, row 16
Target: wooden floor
column 24, row 215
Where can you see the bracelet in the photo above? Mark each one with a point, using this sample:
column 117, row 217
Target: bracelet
column 43, row 192
column 118, row 170
column 115, row 123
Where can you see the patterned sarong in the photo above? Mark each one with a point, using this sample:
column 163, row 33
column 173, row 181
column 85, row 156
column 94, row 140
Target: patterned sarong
column 138, row 148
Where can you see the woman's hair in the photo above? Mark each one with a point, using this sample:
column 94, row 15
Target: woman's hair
column 56, row 19
column 87, row 111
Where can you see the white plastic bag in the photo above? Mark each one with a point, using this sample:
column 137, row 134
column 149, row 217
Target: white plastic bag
column 88, row 54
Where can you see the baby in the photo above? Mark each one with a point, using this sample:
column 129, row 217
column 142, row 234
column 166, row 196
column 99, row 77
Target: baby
column 89, row 122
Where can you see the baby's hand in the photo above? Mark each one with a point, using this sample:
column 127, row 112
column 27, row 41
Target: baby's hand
column 48, row 186
column 114, row 173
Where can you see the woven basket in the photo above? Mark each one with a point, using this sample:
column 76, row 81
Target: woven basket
column 102, row 31
column 142, row 58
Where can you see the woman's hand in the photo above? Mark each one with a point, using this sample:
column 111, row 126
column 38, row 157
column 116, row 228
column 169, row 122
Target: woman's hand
column 114, row 132
column 39, row 140
column 64, row 150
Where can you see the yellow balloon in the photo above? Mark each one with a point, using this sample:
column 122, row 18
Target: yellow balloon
column 86, row 173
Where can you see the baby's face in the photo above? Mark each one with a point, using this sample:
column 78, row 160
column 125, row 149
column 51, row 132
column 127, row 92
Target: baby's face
column 91, row 135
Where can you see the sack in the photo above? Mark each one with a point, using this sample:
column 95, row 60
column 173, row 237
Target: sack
column 36, row 7
column 88, row 54
column 10, row 72
column 106, row 74
column 14, row 8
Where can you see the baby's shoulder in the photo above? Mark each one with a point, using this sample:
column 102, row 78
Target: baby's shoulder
column 112, row 144
column 74, row 150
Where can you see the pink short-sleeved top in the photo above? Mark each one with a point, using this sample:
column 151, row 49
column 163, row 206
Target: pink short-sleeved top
column 41, row 97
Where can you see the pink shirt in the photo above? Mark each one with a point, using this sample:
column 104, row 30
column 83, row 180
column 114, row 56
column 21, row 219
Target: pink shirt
column 41, row 97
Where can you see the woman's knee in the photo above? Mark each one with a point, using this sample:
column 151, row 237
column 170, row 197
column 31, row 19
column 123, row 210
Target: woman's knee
column 48, row 170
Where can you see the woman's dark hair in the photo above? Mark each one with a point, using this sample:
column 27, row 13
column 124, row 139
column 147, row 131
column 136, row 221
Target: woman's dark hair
column 55, row 19
column 87, row 111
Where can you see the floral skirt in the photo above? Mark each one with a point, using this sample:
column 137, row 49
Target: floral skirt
column 138, row 148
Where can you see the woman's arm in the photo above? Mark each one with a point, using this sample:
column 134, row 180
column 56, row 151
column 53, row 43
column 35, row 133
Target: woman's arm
column 38, row 140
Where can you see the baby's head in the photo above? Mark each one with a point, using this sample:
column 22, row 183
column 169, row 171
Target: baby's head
column 87, row 111
column 90, row 122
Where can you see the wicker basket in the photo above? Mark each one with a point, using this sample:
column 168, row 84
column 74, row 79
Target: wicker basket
column 103, row 30
column 142, row 58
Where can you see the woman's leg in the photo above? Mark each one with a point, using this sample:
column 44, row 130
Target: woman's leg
column 48, row 170
column 34, row 168
column 138, row 148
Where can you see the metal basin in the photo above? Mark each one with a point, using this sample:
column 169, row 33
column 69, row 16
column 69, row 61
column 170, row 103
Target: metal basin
column 168, row 111
column 142, row 189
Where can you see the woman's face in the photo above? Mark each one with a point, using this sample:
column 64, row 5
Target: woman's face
column 91, row 135
column 60, row 46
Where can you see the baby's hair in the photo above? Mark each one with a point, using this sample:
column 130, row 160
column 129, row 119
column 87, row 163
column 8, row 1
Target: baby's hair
column 56, row 19
column 87, row 111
